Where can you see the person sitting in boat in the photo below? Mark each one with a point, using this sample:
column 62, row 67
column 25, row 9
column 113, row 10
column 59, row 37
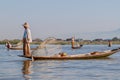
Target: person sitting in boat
column 8, row 45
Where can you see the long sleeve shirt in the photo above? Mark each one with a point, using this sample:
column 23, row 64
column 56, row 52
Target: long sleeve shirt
column 27, row 35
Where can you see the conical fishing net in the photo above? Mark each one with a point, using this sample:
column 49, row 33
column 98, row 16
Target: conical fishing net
column 19, row 45
column 47, row 48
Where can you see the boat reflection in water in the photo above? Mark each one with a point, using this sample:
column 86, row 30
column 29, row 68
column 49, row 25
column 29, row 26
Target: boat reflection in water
column 26, row 70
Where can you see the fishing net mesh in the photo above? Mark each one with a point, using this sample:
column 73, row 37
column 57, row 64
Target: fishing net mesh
column 47, row 48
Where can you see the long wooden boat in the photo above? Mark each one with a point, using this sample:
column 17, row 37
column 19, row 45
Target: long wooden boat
column 92, row 55
column 18, row 48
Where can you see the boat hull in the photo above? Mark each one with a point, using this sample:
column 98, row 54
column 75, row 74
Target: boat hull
column 70, row 57
column 77, row 47
column 93, row 55
column 15, row 48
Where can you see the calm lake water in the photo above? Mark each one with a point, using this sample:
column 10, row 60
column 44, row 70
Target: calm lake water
column 13, row 67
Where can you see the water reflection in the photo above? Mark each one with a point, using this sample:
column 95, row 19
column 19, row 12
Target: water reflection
column 67, row 69
column 26, row 70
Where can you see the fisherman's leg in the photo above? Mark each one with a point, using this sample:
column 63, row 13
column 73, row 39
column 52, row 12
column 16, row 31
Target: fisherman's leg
column 28, row 50
column 23, row 48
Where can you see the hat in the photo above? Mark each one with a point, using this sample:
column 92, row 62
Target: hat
column 26, row 24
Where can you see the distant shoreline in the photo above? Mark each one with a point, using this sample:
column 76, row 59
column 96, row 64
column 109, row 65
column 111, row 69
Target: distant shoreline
column 63, row 42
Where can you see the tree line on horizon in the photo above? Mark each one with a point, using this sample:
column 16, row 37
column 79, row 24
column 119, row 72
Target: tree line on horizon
column 38, row 40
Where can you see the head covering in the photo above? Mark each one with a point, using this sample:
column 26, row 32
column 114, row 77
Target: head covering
column 26, row 24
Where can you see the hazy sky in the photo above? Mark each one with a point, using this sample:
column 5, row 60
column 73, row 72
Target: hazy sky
column 57, row 18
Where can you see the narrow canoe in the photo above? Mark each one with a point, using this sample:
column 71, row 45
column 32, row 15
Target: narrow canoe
column 92, row 55
column 17, row 48
column 77, row 47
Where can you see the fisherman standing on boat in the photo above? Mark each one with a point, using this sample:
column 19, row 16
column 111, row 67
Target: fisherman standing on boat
column 73, row 41
column 109, row 43
column 27, row 39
